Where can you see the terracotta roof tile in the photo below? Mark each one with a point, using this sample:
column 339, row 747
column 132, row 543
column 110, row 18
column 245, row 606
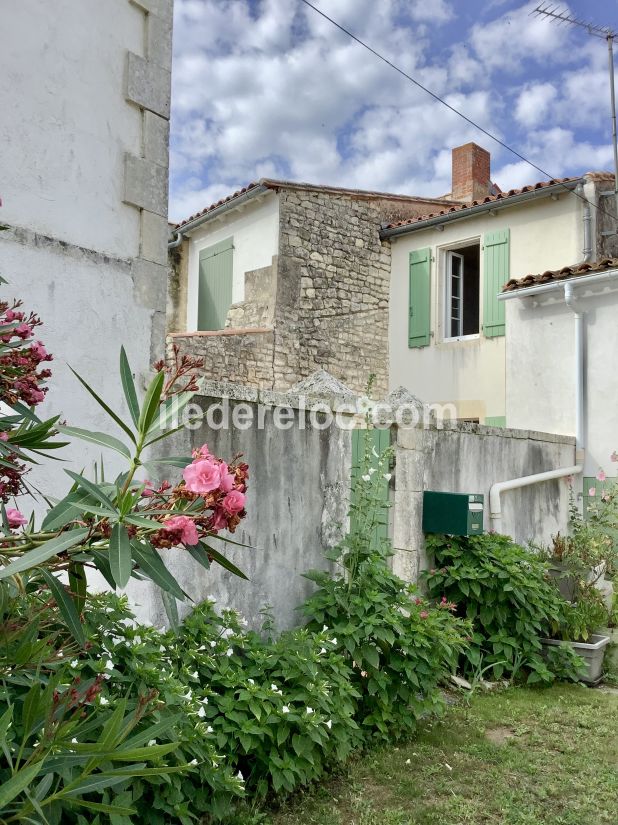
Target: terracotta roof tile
column 218, row 203
column 489, row 199
column 271, row 183
column 561, row 274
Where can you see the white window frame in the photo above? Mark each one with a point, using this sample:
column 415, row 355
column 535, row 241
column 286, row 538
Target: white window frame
column 447, row 254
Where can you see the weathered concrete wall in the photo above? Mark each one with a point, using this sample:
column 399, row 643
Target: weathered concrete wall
column 469, row 458
column 298, row 492
column 84, row 170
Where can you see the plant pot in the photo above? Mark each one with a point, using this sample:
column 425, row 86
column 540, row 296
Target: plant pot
column 592, row 653
column 611, row 653
column 565, row 581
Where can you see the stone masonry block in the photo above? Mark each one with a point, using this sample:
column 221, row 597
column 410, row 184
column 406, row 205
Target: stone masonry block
column 156, row 138
column 162, row 8
column 411, row 438
column 154, row 236
column 407, row 515
column 145, row 184
column 159, row 41
column 405, row 565
column 150, row 284
column 409, row 471
column 148, row 85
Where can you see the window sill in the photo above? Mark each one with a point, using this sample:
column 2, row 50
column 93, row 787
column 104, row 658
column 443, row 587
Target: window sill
column 462, row 338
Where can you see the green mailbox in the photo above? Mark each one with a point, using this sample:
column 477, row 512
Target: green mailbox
column 460, row 514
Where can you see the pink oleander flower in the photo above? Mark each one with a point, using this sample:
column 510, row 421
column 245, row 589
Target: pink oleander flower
column 227, row 479
column 202, row 452
column 40, row 352
column 234, row 502
column 15, row 518
column 185, row 526
column 219, row 520
column 23, row 331
column 423, row 614
column 4, row 436
column 592, row 492
column 614, row 456
column 601, row 475
column 202, row 476
column 148, row 489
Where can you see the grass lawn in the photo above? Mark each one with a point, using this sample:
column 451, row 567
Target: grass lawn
column 518, row 757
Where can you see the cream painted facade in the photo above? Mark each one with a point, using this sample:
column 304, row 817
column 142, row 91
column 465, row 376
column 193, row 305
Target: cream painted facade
column 540, row 367
column 545, row 233
column 254, row 230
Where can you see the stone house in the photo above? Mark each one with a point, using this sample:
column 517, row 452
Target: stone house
column 281, row 279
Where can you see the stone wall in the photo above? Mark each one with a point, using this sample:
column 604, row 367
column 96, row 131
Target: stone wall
column 243, row 356
column 325, row 296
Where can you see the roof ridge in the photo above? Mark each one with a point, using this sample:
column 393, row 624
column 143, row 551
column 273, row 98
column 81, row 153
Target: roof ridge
column 532, row 187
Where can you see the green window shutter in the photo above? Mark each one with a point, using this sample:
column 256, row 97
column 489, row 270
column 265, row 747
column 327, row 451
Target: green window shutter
column 363, row 440
column 419, row 301
column 495, row 420
column 215, row 285
column 495, row 275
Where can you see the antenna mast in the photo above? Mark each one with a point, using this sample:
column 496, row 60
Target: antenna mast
column 604, row 33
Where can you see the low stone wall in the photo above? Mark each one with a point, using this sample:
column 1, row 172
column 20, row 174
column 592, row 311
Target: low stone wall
column 244, row 356
column 299, row 487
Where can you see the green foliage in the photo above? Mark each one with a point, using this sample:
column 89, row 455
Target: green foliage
column 70, row 743
column 398, row 646
column 505, row 591
column 580, row 618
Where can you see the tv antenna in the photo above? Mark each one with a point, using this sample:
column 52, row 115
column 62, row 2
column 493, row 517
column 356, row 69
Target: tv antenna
column 603, row 33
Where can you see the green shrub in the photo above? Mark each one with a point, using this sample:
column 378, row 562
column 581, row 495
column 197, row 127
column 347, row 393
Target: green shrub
column 505, row 591
column 398, row 646
column 281, row 710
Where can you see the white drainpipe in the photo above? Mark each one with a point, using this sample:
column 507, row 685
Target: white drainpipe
column 495, row 504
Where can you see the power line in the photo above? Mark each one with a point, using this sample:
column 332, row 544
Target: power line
column 453, row 109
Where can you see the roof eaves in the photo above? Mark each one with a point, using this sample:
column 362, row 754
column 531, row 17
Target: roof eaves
column 490, row 203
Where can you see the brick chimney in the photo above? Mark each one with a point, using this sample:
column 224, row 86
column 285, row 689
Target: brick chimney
column 471, row 179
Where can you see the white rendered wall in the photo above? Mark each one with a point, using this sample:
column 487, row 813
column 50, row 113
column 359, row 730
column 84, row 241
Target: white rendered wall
column 544, row 234
column 540, row 369
column 255, row 231
column 66, row 125
column 75, row 253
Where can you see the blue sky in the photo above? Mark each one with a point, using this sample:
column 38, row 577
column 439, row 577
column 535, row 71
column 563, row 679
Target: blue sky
column 268, row 88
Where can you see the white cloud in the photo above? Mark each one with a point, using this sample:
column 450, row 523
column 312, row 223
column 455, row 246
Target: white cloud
column 270, row 88
column 533, row 103
column 517, row 39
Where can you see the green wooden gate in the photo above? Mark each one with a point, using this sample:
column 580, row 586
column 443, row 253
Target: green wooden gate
column 374, row 441
column 215, row 285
